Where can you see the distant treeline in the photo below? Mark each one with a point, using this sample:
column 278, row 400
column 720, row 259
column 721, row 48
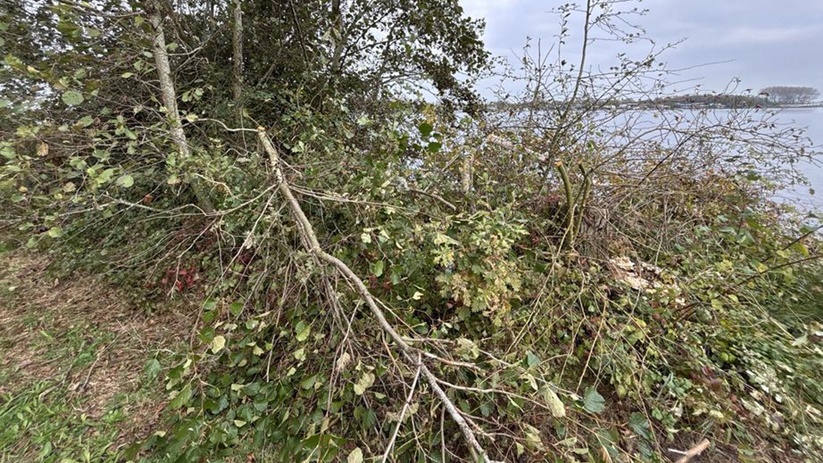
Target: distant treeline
column 763, row 100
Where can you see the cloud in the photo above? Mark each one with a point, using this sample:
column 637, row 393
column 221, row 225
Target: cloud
column 755, row 36
column 484, row 8
column 764, row 42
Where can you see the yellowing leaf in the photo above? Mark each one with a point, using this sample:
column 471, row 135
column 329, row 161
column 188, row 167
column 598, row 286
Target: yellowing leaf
column 43, row 150
column 377, row 268
column 218, row 343
column 72, row 97
column 533, row 437
column 343, row 361
column 356, row 456
column 125, row 181
column 555, row 404
column 364, row 383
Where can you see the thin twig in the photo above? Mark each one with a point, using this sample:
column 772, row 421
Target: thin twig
column 402, row 412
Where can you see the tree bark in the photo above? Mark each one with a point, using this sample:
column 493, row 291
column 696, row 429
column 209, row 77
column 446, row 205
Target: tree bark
column 237, row 56
column 161, row 60
column 337, row 54
column 468, row 167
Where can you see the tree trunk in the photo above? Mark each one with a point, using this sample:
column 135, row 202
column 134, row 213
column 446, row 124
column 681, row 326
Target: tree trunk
column 237, row 57
column 337, row 54
column 468, row 167
column 161, row 59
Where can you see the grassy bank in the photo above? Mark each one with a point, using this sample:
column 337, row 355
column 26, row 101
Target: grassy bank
column 80, row 365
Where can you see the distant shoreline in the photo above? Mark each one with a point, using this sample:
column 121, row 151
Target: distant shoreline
column 699, row 102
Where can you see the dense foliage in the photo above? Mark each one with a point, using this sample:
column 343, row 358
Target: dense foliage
column 585, row 284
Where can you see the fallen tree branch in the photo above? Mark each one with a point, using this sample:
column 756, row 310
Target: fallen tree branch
column 313, row 246
column 692, row 452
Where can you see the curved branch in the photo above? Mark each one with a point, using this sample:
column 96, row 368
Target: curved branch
column 313, row 246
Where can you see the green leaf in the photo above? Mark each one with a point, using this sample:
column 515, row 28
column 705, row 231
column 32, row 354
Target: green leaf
column 377, row 268
column 125, row 181
column 640, row 425
column 7, row 152
column 152, row 369
column 235, row 308
column 85, row 121
column 593, row 401
column 105, row 176
column 434, row 146
column 218, row 343
column 47, row 448
column 72, row 97
column 308, row 383
column 55, row 232
column 301, row 331
column 181, row 398
column 425, row 129
column 356, row 456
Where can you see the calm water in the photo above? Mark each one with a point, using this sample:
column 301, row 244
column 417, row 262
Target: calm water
column 812, row 120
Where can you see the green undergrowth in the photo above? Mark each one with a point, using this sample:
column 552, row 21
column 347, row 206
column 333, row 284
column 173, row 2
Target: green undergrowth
column 565, row 356
column 579, row 293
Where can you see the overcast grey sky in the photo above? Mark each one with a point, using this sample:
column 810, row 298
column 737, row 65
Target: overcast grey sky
column 763, row 42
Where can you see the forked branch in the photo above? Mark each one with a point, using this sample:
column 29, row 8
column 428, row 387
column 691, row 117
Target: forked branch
column 313, row 246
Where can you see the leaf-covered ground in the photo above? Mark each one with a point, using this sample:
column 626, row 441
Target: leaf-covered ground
column 77, row 362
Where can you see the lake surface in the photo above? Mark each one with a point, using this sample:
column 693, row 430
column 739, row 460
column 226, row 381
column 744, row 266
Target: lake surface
column 812, row 120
